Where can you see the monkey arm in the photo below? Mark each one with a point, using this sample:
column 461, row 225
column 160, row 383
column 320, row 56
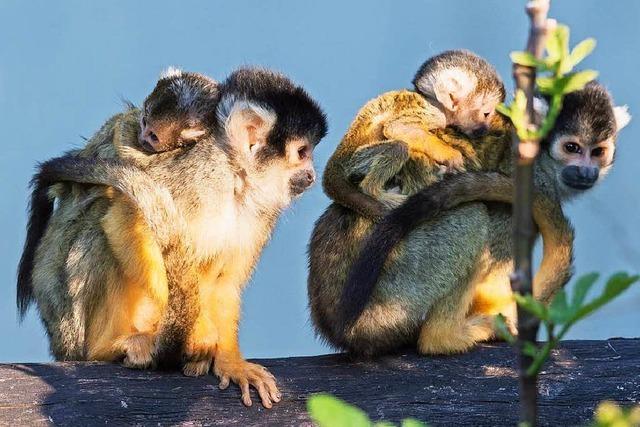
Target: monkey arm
column 377, row 162
column 557, row 235
column 415, row 130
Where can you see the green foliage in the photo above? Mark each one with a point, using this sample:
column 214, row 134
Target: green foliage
column 555, row 79
column 329, row 411
column 563, row 313
column 609, row 414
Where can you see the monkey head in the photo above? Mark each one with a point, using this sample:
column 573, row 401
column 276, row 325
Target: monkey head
column 177, row 111
column 467, row 88
column 582, row 143
column 273, row 126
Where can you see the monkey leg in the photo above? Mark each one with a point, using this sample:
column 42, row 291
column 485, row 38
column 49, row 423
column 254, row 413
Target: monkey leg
column 448, row 328
column 379, row 162
column 202, row 340
column 229, row 365
column 433, row 261
column 138, row 291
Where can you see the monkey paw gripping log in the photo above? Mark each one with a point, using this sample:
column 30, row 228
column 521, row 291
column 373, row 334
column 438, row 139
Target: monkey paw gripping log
column 245, row 374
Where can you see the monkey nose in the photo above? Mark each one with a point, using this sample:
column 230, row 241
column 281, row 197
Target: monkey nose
column 311, row 177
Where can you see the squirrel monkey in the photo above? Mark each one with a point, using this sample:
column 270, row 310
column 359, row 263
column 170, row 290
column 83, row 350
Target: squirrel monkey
column 256, row 158
column 435, row 271
column 391, row 141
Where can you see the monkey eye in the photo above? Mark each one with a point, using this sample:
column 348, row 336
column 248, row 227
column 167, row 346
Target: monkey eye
column 573, row 148
column 303, row 152
column 597, row 152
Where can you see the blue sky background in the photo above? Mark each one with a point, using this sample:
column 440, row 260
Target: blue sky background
column 65, row 65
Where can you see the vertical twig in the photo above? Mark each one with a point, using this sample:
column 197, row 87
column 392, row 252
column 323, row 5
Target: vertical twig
column 524, row 232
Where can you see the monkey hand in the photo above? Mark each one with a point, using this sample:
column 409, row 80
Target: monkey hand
column 453, row 164
column 246, row 374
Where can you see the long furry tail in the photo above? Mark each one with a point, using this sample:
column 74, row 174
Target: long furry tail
column 40, row 211
column 426, row 204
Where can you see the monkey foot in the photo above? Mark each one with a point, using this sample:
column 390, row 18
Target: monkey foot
column 198, row 353
column 138, row 350
column 247, row 374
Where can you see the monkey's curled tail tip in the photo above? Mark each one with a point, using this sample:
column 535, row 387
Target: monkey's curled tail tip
column 366, row 271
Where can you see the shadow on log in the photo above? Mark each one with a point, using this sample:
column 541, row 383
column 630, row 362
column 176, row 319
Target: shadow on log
column 478, row 388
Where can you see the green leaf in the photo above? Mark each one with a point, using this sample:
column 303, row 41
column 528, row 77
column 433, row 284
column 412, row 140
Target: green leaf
column 530, row 349
column 383, row 424
column 504, row 109
column 412, row 422
column 617, row 284
column 581, row 51
column 557, row 43
column 503, row 330
column 546, row 85
column 525, row 58
column 581, row 288
column 576, row 81
column 559, row 311
column 533, row 306
column 329, row 411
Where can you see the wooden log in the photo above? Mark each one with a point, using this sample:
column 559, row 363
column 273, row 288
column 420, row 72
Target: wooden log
column 478, row 388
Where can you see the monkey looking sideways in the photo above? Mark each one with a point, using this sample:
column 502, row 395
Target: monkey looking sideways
column 256, row 159
column 434, row 273
column 391, row 150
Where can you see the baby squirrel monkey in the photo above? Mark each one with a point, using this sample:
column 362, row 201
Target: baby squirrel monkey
column 392, row 136
column 176, row 112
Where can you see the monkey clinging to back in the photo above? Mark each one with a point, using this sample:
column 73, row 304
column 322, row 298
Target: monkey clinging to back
column 432, row 274
column 391, row 142
column 256, row 159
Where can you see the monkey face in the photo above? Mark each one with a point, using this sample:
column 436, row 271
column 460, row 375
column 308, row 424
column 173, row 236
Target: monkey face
column 159, row 134
column 476, row 115
column 177, row 110
column 582, row 142
column 582, row 163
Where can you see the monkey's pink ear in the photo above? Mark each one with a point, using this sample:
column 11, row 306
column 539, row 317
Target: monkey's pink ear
column 452, row 86
column 247, row 124
column 622, row 116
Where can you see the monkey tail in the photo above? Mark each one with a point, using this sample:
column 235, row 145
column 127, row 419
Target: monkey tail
column 430, row 202
column 40, row 211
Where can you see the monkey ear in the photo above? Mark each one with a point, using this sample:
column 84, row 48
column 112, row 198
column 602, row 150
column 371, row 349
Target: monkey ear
column 452, row 86
column 247, row 124
column 622, row 116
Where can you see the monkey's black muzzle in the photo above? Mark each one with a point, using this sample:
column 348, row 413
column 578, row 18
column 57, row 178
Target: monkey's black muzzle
column 580, row 177
column 300, row 181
